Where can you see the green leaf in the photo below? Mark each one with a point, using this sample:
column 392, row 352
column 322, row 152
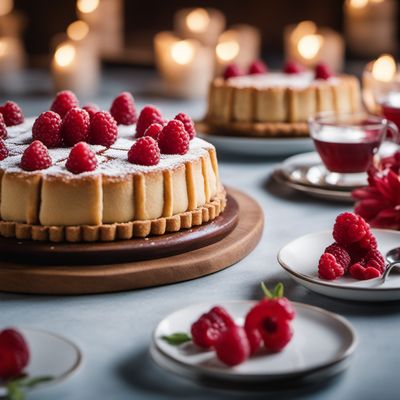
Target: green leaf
column 266, row 291
column 278, row 291
column 177, row 338
column 14, row 391
column 15, row 388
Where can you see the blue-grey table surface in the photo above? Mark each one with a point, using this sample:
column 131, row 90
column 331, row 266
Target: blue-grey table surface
column 114, row 330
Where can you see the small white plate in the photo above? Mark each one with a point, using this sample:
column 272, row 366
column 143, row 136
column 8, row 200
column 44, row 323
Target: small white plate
column 300, row 259
column 51, row 355
column 321, row 346
column 259, row 146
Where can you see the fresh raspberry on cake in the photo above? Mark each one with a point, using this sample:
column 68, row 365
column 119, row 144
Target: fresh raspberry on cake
column 14, row 354
column 63, row 102
column 123, row 109
column 329, row 267
column 149, row 115
column 103, row 129
column 258, row 67
column 341, row 255
column 3, row 128
column 153, row 131
column 188, row 124
column 231, row 71
column 3, row 150
column 322, row 71
column 174, row 139
column 349, row 228
column 232, row 347
column 75, row 126
column 47, row 129
column 291, row 67
column 81, row 159
column 91, row 109
column 35, row 157
column 144, row 151
column 12, row 113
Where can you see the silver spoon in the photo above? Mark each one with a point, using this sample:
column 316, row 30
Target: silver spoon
column 393, row 258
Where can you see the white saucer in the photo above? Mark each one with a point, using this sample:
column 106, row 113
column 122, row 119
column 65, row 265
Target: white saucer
column 300, row 259
column 321, row 346
column 259, row 146
column 51, row 355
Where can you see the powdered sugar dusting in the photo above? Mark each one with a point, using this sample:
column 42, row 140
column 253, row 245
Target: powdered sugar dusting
column 112, row 161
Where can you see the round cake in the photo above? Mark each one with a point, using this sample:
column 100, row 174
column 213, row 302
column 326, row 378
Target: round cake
column 277, row 103
column 117, row 200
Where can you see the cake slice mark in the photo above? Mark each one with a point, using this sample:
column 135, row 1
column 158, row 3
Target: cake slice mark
column 168, row 199
column 140, row 196
column 190, row 185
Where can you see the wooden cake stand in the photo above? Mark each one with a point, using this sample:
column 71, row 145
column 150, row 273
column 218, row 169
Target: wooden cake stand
column 224, row 242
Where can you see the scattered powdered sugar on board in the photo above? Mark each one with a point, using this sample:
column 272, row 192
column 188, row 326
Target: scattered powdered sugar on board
column 112, row 161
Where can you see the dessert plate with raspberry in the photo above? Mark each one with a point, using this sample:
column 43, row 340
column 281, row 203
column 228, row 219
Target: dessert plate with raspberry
column 31, row 358
column 347, row 263
column 298, row 343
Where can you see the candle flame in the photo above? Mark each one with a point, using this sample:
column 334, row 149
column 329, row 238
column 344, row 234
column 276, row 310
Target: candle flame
column 182, row 52
column 302, row 29
column 384, row 68
column 3, row 47
column 78, row 30
column 198, row 20
column 227, row 49
column 309, row 46
column 358, row 3
column 87, row 6
column 6, row 7
column 65, row 54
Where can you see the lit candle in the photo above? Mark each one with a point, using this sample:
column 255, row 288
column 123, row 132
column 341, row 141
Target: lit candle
column 186, row 67
column 308, row 45
column 105, row 20
column 202, row 24
column 370, row 26
column 12, row 59
column 240, row 45
column 75, row 68
column 381, row 83
column 6, row 7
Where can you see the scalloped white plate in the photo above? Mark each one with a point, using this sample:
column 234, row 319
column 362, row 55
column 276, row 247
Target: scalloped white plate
column 300, row 259
column 321, row 346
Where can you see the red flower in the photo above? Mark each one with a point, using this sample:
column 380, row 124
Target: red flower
column 379, row 202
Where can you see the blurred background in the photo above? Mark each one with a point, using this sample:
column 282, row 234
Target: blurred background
column 173, row 49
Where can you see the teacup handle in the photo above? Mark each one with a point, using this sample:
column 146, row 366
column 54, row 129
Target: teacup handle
column 394, row 130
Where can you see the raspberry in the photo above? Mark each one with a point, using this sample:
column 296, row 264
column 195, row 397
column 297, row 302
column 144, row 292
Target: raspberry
column 231, row 71
column 14, row 354
column 123, row 109
column 35, row 157
column 47, row 129
column 374, row 259
column 91, row 109
column 12, row 113
column 188, row 124
column 257, row 67
column 359, row 271
column 3, row 150
column 144, row 151
column 153, row 131
column 208, row 328
column 329, row 268
column 292, row 67
column 75, row 126
column 368, row 241
column 103, row 129
column 63, row 102
column 322, row 71
column 3, row 128
column 149, row 115
column 270, row 317
column 340, row 253
column 81, row 159
column 174, row 139
column 255, row 340
column 349, row 228
column 233, row 347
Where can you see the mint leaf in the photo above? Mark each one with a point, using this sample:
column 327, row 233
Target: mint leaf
column 177, row 338
column 15, row 388
column 14, row 391
column 276, row 294
column 266, row 291
column 278, row 291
